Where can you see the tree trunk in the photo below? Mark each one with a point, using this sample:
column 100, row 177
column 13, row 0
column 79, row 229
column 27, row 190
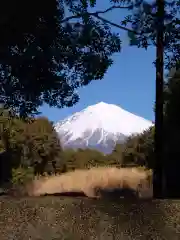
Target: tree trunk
column 158, row 168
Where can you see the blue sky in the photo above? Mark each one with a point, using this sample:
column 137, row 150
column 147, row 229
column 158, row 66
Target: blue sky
column 129, row 82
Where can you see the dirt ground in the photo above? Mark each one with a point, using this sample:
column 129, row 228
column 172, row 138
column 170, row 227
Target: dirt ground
column 78, row 218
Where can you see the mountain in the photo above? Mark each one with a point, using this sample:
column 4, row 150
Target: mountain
column 100, row 127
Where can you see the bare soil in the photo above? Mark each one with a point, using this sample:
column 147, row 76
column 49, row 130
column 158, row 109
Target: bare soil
column 78, row 218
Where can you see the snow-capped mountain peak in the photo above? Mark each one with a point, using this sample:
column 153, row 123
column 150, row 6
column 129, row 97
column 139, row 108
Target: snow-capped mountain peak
column 99, row 126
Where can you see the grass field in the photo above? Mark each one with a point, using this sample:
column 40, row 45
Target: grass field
column 55, row 218
column 95, row 182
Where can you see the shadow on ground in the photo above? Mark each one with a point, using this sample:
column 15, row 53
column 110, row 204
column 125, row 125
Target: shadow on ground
column 57, row 217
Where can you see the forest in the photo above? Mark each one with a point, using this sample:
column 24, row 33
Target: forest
column 51, row 49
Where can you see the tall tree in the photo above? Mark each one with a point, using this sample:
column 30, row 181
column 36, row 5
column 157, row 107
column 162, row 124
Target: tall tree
column 45, row 57
column 157, row 24
column 162, row 29
column 46, row 54
column 159, row 166
column 139, row 149
column 172, row 133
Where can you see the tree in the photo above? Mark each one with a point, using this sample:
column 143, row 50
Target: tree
column 27, row 145
column 69, row 159
column 172, row 133
column 41, row 147
column 45, row 57
column 154, row 23
column 161, row 26
column 116, row 157
column 139, row 149
column 11, row 128
column 59, row 53
column 83, row 158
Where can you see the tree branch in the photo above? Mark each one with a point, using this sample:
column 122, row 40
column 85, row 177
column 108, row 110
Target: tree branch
column 115, row 24
column 96, row 14
column 70, row 18
column 113, row 7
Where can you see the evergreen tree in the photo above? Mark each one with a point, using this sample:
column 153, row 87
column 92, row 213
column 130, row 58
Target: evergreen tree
column 116, row 157
column 155, row 23
column 171, row 133
column 138, row 149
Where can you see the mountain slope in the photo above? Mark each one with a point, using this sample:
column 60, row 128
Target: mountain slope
column 99, row 126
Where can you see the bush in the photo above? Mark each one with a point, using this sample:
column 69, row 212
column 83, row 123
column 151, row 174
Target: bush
column 21, row 176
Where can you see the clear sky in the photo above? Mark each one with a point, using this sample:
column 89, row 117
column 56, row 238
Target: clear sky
column 129, row 82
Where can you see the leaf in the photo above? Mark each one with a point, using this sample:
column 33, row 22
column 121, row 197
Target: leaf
column 92, row 3
column 133, row 39
column 124, row 22
column 147, row 7
column 84, row 4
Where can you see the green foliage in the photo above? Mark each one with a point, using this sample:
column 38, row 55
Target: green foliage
column 172, row 97
column 133, row 39
column 171, row 133
column 92, row 3
column 10, row 129
column 45, row 57
column 144, row 22
column 24, row 144
column 21, row 176
column 172, row 114
column 116, row 157
column 69, row 159
column 137, row 150
column 32, row 146
column 140, row 149
column 43, row 145
column 83, row 158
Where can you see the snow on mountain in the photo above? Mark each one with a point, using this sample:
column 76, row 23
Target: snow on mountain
column 100, row 127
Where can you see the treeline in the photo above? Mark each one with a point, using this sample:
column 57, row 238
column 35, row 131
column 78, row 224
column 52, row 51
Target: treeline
column 31, row 146
column 137, row 151
column 27, row 144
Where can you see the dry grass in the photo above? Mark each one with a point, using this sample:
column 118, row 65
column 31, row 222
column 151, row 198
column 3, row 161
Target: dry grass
column 95, row 182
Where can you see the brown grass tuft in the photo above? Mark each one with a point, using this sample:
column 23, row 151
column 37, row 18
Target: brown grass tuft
column 94, row 181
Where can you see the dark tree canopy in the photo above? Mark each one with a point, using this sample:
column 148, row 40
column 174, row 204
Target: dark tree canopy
column 143, row 22
column 27, row 144
column 52, row 48
column 45, row 57
column 172, row 133
column 172, row 114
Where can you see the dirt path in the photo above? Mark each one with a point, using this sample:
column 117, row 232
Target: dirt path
column 55, row 218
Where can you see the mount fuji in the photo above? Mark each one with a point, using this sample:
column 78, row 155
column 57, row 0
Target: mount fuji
column 99, row 127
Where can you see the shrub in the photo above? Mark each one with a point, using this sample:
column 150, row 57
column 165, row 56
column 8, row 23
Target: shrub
column 21, row 176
